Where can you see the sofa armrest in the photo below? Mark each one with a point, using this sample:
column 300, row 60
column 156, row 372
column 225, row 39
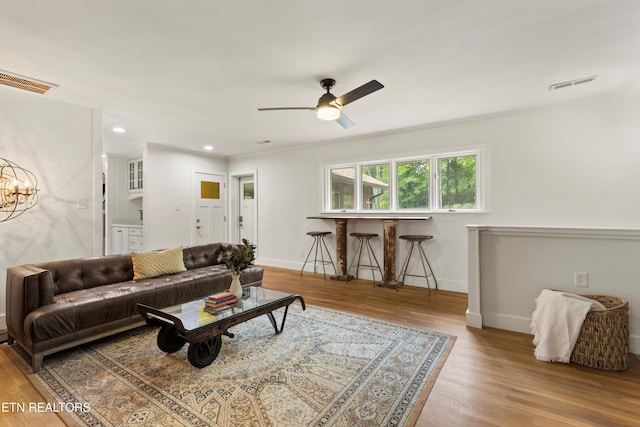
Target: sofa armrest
column 252, row 276
column 28, row 287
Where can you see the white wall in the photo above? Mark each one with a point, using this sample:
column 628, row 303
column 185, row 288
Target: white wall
column 514, row 264
column 119, row 206
column 570, row 164
column 168, row 198
column 60, row 145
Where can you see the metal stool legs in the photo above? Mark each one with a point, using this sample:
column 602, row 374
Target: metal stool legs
column 317, row 245
column 423, row 260
column 364, row 243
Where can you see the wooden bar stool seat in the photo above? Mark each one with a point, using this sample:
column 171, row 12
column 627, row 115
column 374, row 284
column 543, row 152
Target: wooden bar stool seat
column 364, row 244
column 320, row 247
column 419, row 239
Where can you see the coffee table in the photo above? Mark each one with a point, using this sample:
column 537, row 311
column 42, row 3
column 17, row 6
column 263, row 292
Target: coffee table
column 202, row 329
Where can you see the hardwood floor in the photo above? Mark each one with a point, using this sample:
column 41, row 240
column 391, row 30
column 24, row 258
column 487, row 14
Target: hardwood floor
column 490, row 378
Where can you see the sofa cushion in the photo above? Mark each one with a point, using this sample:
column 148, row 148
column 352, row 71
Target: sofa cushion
column 87, row 308
column 201, row 255
column 157, row 263
column 84, row 273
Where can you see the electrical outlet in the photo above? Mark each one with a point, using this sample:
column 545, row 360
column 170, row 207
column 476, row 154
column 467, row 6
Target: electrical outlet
column 302, row 254
column 581, row 279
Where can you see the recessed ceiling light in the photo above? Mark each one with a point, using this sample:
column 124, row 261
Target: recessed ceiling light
column 118, row 130
column 208, row 147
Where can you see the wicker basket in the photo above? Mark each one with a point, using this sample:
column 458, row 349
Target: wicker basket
column 603, row 342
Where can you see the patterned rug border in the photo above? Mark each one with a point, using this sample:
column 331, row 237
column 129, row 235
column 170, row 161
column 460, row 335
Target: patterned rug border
column 22, row 360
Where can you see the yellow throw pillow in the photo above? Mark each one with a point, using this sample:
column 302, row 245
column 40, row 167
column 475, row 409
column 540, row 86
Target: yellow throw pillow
column 157, row 263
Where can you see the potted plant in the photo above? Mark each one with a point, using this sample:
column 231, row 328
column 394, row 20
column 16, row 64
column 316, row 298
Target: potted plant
column 237, row 258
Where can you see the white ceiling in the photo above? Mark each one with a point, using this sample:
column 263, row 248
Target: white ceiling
column 193, row 73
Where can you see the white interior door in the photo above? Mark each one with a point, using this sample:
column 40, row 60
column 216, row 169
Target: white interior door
column 209, row 190
column 247, row 209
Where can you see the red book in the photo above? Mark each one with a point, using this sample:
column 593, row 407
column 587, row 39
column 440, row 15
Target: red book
column 224, row 296
column 222, row 303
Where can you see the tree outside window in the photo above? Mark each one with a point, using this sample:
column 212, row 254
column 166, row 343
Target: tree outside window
column 457, row 182
column 404, row 184
column 413, row 184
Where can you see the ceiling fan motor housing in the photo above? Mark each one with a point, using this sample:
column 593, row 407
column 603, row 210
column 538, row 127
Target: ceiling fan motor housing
column 327, row 99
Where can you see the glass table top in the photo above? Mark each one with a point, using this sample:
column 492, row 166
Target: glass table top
column 195, row 314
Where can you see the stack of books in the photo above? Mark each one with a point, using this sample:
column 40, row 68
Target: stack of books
column 220, row 300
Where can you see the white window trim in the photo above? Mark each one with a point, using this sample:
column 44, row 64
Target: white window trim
column 359, row 184
column 394, row 204
column 434, row 183
column 436, row 180
column 326, row 203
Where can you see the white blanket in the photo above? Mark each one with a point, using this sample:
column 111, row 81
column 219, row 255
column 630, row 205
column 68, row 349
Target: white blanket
column 556, row 323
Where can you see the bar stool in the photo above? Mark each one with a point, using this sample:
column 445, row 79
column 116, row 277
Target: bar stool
column 412, row 239
column 364, row 243
column 318, row 243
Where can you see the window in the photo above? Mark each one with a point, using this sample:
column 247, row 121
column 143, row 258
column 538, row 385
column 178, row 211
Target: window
column 248, row 190
column 413, row 184
column 209, row 190
column 343, row 188
column 431, row 183
column 457, row 182
column 375, row 186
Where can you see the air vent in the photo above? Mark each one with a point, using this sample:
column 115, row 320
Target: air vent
column 25, row 83
column 572, row 83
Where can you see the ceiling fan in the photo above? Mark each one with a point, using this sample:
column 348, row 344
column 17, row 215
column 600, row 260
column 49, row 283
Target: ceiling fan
column 329, row 107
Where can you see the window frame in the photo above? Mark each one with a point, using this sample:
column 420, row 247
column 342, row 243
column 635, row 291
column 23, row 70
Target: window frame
column 434, row 183
column 479, row 193
column 359, row 184
column 394, row 196
column 328, row 187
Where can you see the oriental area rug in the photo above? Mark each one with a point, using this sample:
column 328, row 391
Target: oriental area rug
column 326, row 368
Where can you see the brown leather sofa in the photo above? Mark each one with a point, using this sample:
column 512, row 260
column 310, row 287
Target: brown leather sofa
column 56, row 305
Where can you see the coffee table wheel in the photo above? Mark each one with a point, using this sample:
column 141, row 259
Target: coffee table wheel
column 169, row 339
column 203, row 353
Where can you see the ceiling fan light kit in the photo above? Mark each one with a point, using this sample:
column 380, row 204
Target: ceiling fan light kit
column 328, row 112
column 330, row 108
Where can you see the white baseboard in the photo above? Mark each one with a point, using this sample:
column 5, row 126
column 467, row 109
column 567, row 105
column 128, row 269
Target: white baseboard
column 523, row 324
column 503, row 321
column 443, row 284
column 279, row 263
column 474, row 320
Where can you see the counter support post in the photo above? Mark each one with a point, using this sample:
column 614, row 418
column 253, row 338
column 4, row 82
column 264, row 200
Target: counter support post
column 389, row 245
column 341, row 250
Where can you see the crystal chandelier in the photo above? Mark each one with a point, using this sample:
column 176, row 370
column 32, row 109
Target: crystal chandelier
column 18, row 190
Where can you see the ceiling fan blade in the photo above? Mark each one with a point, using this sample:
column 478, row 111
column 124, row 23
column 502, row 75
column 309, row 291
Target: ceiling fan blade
column 344, row 121
column 358, row 93
column 287, row 108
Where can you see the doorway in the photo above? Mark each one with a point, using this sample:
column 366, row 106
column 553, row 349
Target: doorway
column 210, row 219
column 247, row 208
column 243, row 193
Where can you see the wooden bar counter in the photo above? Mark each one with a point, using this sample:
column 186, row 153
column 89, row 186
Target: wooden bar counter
column 389, row 243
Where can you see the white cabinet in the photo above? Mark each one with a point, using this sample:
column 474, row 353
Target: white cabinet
column 135, row 177
column 119, row 240
column 136, row 240
column 126, row 239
